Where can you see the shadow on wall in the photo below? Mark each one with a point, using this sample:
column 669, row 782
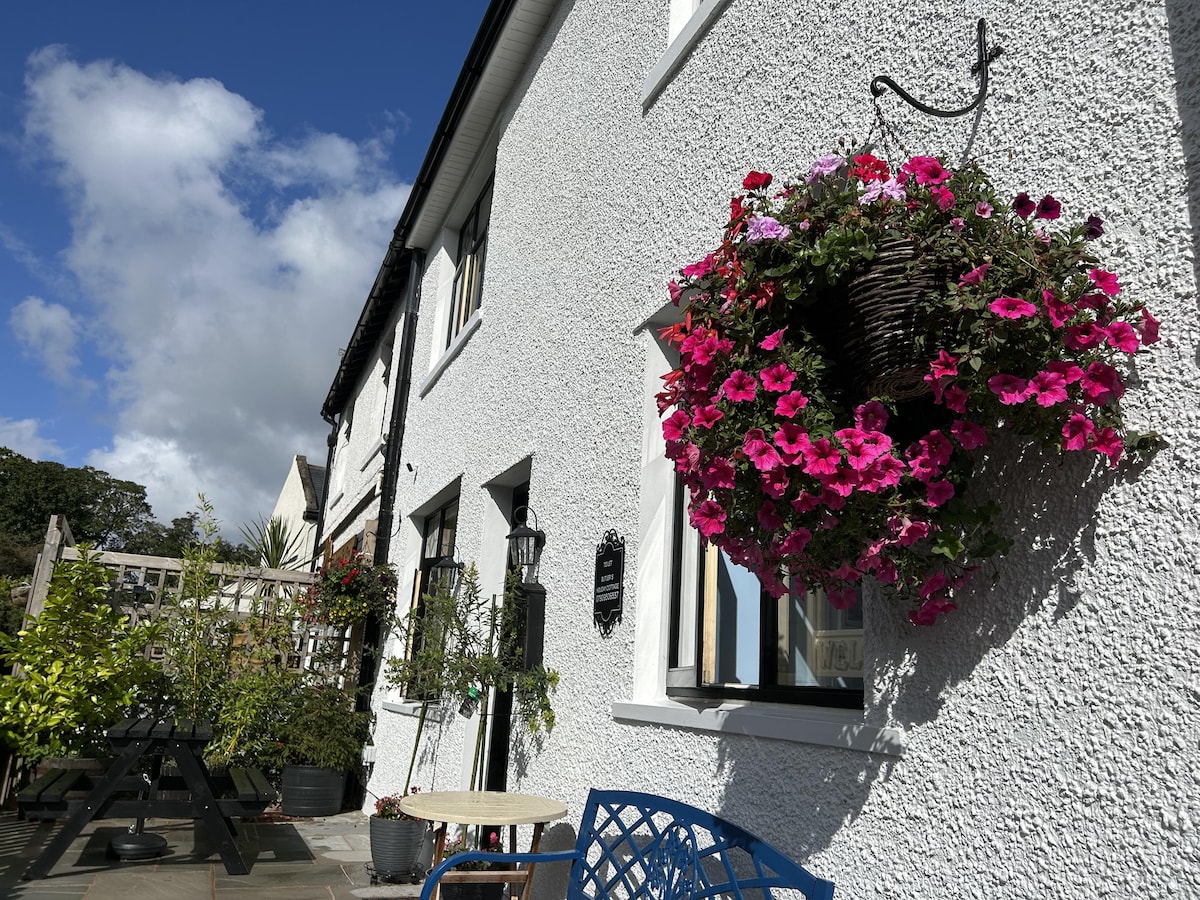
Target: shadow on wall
column 1184, row 28
column 1049, row 505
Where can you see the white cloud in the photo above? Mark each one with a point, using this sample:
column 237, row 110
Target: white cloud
column 219, row 301
column 50, row 334
column 21, row 436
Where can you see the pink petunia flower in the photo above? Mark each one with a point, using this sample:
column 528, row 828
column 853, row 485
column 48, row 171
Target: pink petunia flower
column 871, row 416
column 945, row 365
column 1122, row 336
column 1108, row 442
column 1105, row 281
column 1048, row 208
column 1012, row 307
column 938, row 492
column 1077, row 432
column 975, row 276
column 1009, row 388
column 805, row 502
column 673, row 426
column 760, row 452
column 1070, row 372
column 719, row 473
column 1058, row 311
column 843, row 481
column 821, row 458
column 942, row 196
column 1083, row 336
column 774, row 483
column 968, row 434
column 983, row 209
column 954, row 399
column 926, row 169
column 1023, row 206
column 791, row 438
column 777, row 378
column 790, row 404
column 707, row 416
column 795, row 542
column 701, row 268
column 1147, row 328
column 708, row 518
column 1101, row 383
column 739, row 386
column 771, row 341
column 674, row 289
column 1049, row 388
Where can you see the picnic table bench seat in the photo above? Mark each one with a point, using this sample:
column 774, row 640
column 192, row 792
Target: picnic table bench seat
column 633, row 845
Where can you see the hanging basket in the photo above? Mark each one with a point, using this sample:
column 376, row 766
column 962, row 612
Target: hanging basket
column 883, row 319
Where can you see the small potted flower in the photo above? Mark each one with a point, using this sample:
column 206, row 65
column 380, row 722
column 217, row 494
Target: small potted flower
column 850, row 348
column 396, row 838
column 348, row 590
column 473, row 890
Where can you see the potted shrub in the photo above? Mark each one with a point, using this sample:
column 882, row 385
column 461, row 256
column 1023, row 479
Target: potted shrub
column 83, row 668
column 318, row 741
column 396, row 838
column 850, row 348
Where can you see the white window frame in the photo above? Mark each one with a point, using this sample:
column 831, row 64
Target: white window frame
column 649, row 703
column 689, row 22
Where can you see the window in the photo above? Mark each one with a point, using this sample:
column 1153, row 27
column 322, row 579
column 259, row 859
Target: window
column 468, row 273
column 688, row 22
column 438, row 531
column 729, row 638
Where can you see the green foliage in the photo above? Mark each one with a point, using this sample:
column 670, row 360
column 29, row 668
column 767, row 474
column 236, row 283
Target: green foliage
column 82, row 667
column 104, row 511
column 275, row 545
column 321, row 727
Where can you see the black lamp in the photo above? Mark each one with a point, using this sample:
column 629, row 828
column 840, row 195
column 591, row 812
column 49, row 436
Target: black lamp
column 447, row 574
column 525, row 546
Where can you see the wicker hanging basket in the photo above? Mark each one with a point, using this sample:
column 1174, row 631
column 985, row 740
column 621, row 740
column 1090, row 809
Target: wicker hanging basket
column 878, row 339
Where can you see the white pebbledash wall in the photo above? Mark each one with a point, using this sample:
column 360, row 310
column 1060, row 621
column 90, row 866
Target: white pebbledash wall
column 1046, row 738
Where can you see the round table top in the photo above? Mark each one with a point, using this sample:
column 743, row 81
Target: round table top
column 483, row 807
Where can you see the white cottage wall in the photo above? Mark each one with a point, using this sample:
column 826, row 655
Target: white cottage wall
column 1051, row 728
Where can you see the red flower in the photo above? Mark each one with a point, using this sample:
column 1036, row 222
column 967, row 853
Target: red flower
column 756, row 180
column 870, row 168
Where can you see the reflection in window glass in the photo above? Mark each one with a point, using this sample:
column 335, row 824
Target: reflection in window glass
column 752, row 639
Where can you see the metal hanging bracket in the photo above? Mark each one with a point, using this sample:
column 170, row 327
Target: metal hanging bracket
column 986, row 58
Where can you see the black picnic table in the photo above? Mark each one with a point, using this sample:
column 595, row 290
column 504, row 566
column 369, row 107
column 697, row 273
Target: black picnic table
column 122, row 792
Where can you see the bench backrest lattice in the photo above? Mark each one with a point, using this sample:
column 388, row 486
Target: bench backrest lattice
column 633, row 845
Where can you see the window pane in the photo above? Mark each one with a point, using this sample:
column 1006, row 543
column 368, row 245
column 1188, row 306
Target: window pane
column 732, row 603
column 819, row 646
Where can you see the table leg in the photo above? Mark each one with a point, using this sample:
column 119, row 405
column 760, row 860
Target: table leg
column 533, row 848
column 195, row 774
column 103, row 789
column 439, row 852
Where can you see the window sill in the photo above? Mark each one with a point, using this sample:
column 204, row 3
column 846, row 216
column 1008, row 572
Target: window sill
column 451, row 352
column 805, row 725
column 668, row 64
column 413, row 708
column 374, row 451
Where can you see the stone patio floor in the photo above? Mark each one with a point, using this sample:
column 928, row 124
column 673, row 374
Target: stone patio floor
column 297, row 859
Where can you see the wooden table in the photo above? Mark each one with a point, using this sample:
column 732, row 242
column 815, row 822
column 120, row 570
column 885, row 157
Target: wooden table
column 215, row 800
column 497, row 808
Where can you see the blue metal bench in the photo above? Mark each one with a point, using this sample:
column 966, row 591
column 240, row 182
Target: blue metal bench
column 634, row 845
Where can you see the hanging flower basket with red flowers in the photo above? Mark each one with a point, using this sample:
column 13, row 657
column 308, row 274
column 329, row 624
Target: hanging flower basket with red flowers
column 850, row 347
column 348, row 589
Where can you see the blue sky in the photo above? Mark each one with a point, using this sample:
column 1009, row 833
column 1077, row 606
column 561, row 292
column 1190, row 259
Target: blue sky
column 194, row 201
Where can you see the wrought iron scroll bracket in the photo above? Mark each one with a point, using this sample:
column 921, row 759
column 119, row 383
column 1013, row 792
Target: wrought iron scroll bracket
column 985, row 58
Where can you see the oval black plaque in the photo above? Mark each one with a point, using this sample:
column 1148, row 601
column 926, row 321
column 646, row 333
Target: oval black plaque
column 609, row 598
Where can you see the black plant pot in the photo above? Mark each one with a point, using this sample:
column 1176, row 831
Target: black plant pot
column 312, row 791
column 395, row 845
column 468, row 890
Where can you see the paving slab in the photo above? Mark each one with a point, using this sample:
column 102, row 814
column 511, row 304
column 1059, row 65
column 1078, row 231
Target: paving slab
column 297, row 859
